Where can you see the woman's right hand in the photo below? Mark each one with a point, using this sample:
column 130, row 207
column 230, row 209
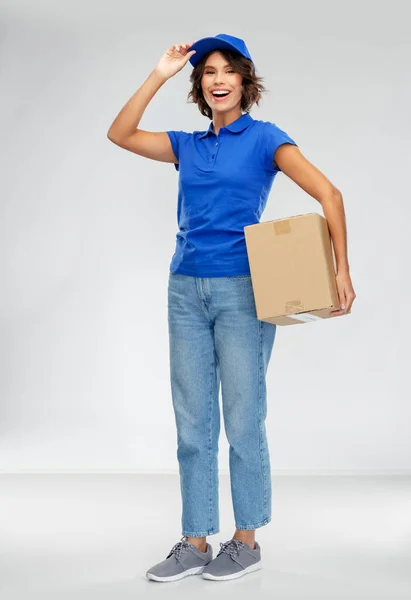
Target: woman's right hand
column 174, row 59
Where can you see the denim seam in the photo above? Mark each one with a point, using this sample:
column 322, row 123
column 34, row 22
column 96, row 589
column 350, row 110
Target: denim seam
column 210, row 476
column 200, row 533
column 254, row 525
column 216, row 399
column 203, row 302
column 260, row 366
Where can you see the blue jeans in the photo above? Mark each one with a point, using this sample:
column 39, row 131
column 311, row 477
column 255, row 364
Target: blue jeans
column 214, row 332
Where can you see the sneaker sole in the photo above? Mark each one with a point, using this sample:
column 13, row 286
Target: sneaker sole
column 193, row 571
column 249, row 569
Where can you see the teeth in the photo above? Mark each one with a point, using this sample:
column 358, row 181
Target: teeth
column 220, row 93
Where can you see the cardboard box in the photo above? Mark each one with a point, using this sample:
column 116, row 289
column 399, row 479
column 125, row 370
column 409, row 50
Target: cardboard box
column 292, row 269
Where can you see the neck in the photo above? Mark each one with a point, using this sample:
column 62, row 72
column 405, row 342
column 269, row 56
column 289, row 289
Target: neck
column 223, row 119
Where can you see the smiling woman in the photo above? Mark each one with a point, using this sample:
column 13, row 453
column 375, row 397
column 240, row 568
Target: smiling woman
column 225, row 176
column 225, row 70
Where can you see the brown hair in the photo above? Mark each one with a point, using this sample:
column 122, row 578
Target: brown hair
column 252, row 83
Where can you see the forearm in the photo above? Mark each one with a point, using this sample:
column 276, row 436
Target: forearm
column 334, row 213
column 130, row 115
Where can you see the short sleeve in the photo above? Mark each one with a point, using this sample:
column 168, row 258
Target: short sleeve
column 273, row 137
column 175, row 137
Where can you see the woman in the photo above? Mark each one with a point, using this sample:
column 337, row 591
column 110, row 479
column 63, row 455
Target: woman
column 225, row 176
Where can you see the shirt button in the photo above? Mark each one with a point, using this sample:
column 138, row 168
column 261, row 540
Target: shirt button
column 213, row 156
column 217, row 144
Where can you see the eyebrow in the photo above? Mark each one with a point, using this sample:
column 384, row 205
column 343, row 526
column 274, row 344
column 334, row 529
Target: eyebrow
column 211, row 67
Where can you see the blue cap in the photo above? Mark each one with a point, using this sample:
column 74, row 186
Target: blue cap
column 222, row 41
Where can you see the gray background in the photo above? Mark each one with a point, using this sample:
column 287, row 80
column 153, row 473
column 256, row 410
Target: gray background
column 88, row 231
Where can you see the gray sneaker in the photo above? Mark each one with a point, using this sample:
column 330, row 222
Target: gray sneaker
column 183, row 559
column 234, row 559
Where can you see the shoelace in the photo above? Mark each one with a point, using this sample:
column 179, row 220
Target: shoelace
column 179, row 548
column 232, row 547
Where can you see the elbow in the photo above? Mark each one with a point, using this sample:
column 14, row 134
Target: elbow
column 330, row 195
column 111, row 133
column 113, row 138
column 336, row 193
column 333, row 194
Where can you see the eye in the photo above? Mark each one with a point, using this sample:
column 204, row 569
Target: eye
column 210, row 72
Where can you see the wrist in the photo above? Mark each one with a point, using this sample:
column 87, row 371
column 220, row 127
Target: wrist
column 159, row 75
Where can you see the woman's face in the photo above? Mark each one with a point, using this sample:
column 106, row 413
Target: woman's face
column 218, row 74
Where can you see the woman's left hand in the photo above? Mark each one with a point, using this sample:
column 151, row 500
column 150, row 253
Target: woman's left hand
column 345, row 292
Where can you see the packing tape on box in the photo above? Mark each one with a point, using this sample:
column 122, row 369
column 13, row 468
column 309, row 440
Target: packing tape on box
column 292, row 306
column 305, row 317
column 283, row 226
column 289, row 310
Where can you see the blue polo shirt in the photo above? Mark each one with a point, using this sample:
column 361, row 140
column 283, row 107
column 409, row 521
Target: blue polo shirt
column 223, row 185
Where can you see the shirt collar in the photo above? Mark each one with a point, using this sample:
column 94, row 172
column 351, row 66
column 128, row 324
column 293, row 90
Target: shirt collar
column 235, row 127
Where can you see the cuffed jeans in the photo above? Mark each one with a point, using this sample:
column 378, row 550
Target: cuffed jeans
column 215, row 336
